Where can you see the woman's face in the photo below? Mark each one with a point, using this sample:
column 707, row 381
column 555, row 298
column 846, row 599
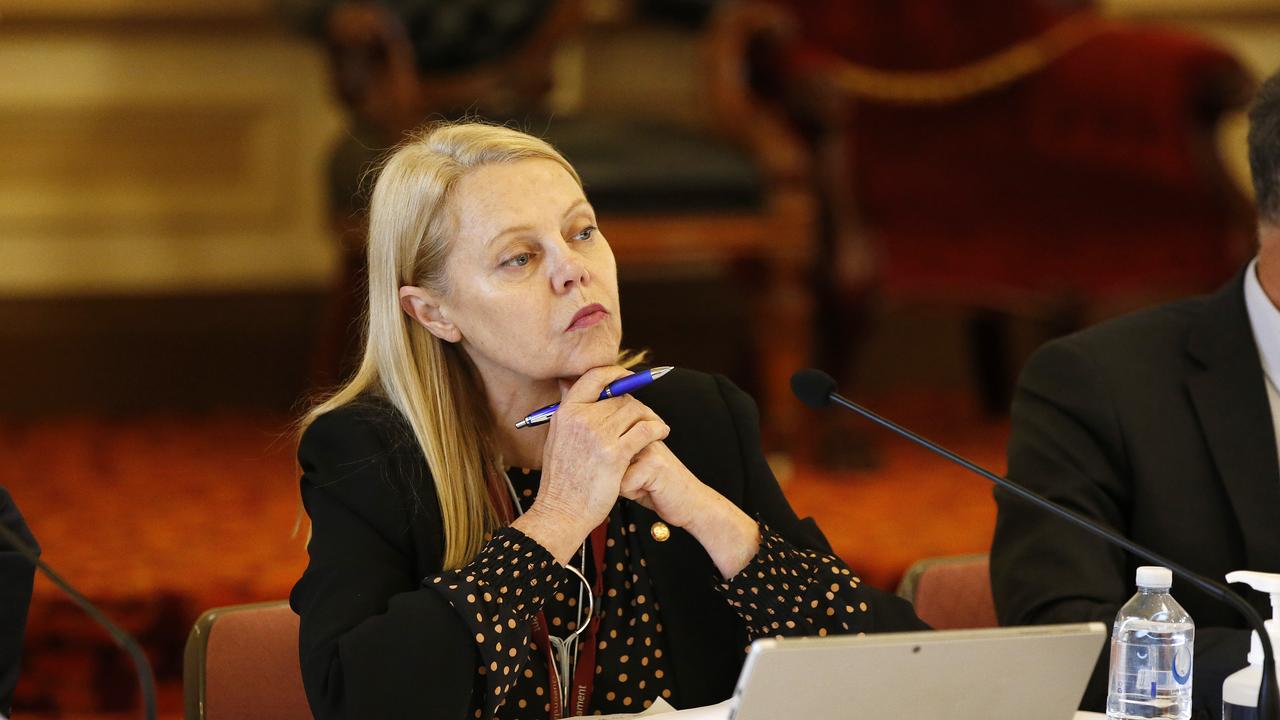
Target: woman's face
column 533, row 288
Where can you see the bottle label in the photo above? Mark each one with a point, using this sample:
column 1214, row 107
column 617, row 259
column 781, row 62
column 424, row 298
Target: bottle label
column 1238, row 712
column 1182, row 656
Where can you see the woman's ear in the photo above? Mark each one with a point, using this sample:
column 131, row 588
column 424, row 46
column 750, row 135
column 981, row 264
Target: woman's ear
column 427, row 311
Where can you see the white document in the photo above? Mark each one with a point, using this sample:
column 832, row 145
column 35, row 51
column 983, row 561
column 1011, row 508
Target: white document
column 719, row 711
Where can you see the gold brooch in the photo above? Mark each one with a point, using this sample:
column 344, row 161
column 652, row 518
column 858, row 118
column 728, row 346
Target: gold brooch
column 660, row 531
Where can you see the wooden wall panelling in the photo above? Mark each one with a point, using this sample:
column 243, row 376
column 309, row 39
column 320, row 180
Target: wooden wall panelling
column 162, row 159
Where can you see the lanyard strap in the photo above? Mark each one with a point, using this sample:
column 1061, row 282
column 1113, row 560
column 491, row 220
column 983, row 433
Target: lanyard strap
column 543, row 638
column 585, row 672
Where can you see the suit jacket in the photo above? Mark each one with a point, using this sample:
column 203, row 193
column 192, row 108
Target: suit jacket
column 16, row 577
column 374, row 644
column 1158, row 425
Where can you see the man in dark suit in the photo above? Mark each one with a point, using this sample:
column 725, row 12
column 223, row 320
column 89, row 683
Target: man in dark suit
column 1165, row 425
column 16, row 578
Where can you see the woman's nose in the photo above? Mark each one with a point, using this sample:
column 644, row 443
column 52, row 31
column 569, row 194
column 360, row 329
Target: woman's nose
column 570, row 271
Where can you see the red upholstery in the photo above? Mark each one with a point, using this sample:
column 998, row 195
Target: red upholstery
column 951, row 592
column 242, row 664
column 1096, row 177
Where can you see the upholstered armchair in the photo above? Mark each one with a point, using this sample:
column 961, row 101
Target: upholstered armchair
column 1022, row 157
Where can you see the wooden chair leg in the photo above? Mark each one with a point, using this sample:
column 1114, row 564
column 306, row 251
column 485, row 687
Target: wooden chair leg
column 784, row 339
column 336, row 351
column 838, row 440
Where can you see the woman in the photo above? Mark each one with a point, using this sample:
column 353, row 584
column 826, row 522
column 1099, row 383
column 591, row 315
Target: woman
column 460, row 567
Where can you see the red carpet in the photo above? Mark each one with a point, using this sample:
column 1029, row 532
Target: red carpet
column 160, row 517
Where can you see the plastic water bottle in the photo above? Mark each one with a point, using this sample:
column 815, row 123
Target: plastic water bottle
column 1152, row 648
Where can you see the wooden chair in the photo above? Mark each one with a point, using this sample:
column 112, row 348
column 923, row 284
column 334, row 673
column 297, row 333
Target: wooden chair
column 241, row 663
column 378, row 76
column 685, row 164
column 951, row 592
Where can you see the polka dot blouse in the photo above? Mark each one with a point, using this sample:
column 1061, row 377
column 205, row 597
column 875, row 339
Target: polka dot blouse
column 782, row 591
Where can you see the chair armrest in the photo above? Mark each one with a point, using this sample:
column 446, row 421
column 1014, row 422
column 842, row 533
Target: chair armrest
column 371, row 65
column 372, row 61
column 738, row 33
column 1138, row 101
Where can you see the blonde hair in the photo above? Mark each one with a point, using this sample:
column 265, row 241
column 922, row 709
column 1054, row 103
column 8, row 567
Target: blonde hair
column 433, row 383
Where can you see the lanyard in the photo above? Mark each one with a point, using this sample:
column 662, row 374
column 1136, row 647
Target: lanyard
column 585, row 672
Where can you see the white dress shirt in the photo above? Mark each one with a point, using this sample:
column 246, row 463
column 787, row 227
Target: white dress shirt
column 1264, row 317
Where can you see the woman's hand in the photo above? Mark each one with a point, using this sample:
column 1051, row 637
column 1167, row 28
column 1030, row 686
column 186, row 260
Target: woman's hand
column 659, row 481
column 590, row 445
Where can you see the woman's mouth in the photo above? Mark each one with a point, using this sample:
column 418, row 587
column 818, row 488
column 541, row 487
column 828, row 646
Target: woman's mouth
column 587, row 316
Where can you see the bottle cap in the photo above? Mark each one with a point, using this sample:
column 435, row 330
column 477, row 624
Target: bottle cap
column 1154, row 577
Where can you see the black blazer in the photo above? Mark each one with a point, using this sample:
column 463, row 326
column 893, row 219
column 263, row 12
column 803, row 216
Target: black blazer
column 16, row 577
column 374, row 644
column 1158, row 425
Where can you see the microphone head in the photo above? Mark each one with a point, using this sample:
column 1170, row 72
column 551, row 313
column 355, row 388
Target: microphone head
column 813, row 387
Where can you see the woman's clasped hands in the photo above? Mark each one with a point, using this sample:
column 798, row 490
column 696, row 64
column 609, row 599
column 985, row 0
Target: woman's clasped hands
column 600, row 450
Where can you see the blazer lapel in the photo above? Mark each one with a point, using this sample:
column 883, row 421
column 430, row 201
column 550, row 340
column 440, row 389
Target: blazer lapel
column 1231, row 404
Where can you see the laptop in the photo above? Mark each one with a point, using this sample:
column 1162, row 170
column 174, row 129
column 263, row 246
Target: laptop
column 997, row 674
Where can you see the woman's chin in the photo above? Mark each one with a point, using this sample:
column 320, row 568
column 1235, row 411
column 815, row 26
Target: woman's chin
column 581, row 363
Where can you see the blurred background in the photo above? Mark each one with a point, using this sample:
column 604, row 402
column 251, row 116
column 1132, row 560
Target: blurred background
column 912, row 196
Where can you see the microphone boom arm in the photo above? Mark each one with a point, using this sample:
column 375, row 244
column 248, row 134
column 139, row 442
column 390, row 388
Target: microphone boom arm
column 146, row 678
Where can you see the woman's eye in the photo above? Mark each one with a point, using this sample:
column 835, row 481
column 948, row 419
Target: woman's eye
column 586, row 233
column 520, row 260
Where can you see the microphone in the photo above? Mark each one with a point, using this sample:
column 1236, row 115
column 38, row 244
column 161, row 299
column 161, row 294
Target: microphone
column 146, row 679
column 818, row 390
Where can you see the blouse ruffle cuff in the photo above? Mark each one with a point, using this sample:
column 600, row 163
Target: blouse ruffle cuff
column 512, row 576
column 789, row 591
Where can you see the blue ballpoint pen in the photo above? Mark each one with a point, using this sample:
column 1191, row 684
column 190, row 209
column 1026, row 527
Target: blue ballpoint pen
column 621, row 386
